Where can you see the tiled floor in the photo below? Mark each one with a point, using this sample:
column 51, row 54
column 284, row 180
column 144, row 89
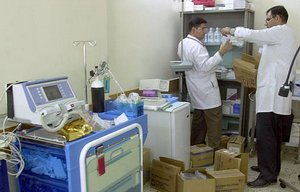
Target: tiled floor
column 289, row 172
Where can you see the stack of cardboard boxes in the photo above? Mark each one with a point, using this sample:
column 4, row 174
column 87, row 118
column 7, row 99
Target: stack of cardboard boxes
column 229, row 172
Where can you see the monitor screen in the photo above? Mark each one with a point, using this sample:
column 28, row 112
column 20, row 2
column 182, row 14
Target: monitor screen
column 52, row 92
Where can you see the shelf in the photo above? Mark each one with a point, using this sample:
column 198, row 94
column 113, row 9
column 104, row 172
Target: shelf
column 296, row 98
column 229, row 132
column 212, row 44
column 231, row 123
column 217, row 11
column 232, row 115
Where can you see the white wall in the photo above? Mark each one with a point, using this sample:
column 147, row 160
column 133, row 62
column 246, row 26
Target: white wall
column 36, row 39
column 137, row 38
column 292, row 7
column 142, row 39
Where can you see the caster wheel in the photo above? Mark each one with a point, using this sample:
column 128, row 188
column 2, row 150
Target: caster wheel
column 282, row 185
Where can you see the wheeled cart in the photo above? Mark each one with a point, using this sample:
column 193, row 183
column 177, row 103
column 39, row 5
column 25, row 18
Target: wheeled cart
column 107, row 160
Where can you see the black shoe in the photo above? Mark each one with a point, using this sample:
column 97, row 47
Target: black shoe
column 259, row 183
column 255, row 168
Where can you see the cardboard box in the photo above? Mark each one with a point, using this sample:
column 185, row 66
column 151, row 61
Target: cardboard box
column 146, row 165
column 223, row 142
column 163, row 174
column 245, row 68
column 201, row 155
column 194, row 185
column 225, row 159
column 236, row 144
column 228, row 180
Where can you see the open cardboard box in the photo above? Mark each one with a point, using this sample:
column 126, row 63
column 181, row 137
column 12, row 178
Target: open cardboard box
column 194, row 185
column 163, row 174
column 236, row 144
column 225, row 159
column 245, row 69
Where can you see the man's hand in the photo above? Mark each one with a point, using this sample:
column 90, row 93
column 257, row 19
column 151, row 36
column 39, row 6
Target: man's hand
column 225, row 31
column 225, row 47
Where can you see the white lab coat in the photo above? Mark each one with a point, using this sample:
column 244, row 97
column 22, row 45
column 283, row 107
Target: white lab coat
column 201, row 80
column 279, row 47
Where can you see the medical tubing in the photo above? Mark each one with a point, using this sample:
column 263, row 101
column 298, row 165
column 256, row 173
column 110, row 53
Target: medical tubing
column 113, row 77
column 293, row 61
column 62, row 123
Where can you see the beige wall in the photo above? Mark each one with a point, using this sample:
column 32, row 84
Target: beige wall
column 36, row 39
column 142, row 39
column 292, row 7
column 137, row 38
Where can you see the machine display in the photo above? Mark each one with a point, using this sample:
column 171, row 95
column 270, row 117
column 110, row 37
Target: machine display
column 52, row 92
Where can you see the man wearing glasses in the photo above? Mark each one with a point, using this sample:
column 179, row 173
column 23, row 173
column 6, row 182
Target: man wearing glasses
column 202, row 84
column 278, row 48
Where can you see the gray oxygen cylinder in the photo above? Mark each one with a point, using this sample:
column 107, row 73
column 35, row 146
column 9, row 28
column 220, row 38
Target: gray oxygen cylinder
column 97, row 96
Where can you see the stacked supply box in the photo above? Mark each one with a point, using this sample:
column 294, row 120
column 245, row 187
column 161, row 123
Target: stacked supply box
column 194, row 179
column 201, row 155
column 163, row 174
column 232, row 4
column 225, row 159
column 228, row 180
column 236, row 144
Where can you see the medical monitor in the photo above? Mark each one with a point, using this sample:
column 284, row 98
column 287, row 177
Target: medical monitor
column 52, row 92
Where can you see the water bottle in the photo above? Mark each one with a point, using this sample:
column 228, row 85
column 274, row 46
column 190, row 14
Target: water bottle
column 205, row 38
column 210, row 35
column 217, row 35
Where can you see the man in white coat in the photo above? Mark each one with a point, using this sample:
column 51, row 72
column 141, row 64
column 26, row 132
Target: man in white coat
column 202, row 84
column 278, row 49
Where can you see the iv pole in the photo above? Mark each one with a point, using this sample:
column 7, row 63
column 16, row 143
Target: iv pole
column 92, row 44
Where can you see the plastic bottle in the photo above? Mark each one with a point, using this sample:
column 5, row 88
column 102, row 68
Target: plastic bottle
column 97, row 95
column 217, row 35
column 205, row 38
column 210, row 35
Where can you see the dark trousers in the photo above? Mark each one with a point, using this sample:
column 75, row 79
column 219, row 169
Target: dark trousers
column 269, row 130
column 207, row 121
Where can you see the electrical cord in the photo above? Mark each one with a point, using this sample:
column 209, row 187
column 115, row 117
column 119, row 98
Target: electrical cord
column 11, row 153
column 287, row 86
column 8, row 151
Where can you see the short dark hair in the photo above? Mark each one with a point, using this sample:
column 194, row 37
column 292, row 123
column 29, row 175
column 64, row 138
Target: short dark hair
column 196, row 22
column 280, row 11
